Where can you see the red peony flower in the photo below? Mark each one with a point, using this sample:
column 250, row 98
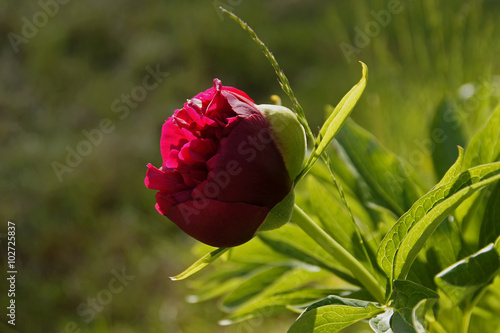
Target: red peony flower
column 222, row 170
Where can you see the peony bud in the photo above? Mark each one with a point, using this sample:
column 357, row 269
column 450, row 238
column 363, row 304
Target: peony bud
column 227, row 166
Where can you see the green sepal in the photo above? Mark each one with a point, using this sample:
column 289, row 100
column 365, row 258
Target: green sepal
column 280, row 214
column 288, row 134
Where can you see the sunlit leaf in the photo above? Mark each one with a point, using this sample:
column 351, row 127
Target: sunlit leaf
column 291, row 241
column 333, row 314
column 405, row 297
column 420, row 312
column 485, row 145
column 218, row 282
column 454, row 170
column 445, row 136
column 445, row 244
column 465, row 277
column 384, row 173
column 255, row 252
column 273, row 304
column 382, row 322
column 483, row 148
column 254, row 285
column 289, row 282
column 339, row 115
column 490, row 227
column 200, row 264
column 335, row 220
column 404, row 241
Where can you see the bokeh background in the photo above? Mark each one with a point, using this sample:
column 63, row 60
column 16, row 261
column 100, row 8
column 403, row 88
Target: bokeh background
column 77, row 63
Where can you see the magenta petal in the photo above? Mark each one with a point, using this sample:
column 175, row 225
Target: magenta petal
column 171, row 137
column 160, row 180
column 241, row 108
column 217, row 223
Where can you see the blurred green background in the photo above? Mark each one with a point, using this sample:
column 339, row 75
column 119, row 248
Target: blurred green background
column 74, row 67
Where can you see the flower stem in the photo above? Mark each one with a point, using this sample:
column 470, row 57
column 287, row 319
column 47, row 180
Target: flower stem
column 339, row 253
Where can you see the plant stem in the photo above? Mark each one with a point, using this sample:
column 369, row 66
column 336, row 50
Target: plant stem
column 466, row 320
column 339, row 253
column 468, row 310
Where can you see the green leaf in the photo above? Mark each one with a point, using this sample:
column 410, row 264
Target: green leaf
column 335, row 220
column 255, row 252
column 218, row 282
column 382, row 322
column 200, row 264
column 384, row 173
column 291, row 241
column 253, row 285
column 490, row 227
column 281, row 302
column 483, row 148
column 333, row 314
column 454, row 170
column 420, row 312
column 261, row 303
column 406, row 238
column 339, row 115
column 445, row 244
column 405, row 297
column 485, row 145
column 445, row 136
column 341, row 112
column 461, row 280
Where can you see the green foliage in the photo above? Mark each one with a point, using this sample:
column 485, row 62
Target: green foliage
column 462, row 281
column 386, row 176
column 405, row 240
column 490, row 228
column 446, row 135
column 405, row 297
column 485, row 145
column 200, row 264
column 424, row 238
column 71, row 234
column 333, row 314
column 337, row 118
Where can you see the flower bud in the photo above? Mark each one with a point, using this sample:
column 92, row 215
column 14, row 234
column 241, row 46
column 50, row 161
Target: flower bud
column 227, row 166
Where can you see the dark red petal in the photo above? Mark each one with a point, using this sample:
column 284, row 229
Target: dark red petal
column 217, row 223
column 257, row 172
column 192, row 177
column 164, row 202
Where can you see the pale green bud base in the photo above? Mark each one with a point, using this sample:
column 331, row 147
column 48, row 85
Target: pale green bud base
column 280, row 214
column 288, row 134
